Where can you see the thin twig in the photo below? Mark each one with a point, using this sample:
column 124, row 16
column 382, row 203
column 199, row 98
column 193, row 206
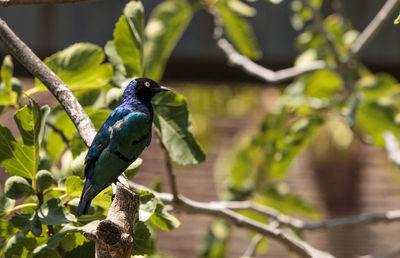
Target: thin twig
column 252, row 68
column 217, row 209
column 7, row 3
column 171, row 174
column 59, row 132
column 57, row 87
column 319, row 23
column 252, row 247
column 373, row 28
column 392, row 254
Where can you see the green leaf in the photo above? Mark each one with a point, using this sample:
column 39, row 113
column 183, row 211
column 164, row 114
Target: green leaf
column 19, row 246
column 141, row 243
column 28, row 222
column 80, row 67
column 85, row 250
column 322, row 84
column 163, row 219
column 239, row 31
column 215, row 242
column 53, row 212
column 6, row 228
column 6, row 204
column 131, row 171
column 21, row 158
column 148, row 204
column 74, row 186
column 172, row 124
column 128, row 38
column 242, row 9
column 375, row 86
column 119, row 75
column 7, row 96
column 375, row 119
column 397, row 21
column 166, row 24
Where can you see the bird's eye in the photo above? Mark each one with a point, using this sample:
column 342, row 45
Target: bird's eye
column 147, row 84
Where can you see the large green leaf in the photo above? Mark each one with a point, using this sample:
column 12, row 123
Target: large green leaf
column 239, row 31
column 128, row 38
column 376, row 86
column 27, row 222
column 53, row 212
column 6, row 204
column 172, row 124
column 166, row 25
column 80, row 67
column 6, row 228
column 141, row 243
column 21, row 158
column 322, row 84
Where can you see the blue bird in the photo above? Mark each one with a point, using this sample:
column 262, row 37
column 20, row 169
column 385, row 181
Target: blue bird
column 120, row 140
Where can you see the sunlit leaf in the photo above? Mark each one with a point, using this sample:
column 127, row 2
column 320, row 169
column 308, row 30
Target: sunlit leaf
column 166, row 25
column 80, row 67
column 7, row 96
column 397, row 21
column 376, row 86
column 172, row 124
column 53, row 212
column 6, row 204
column 128, row 39
column 239, row 31
column 322, row 84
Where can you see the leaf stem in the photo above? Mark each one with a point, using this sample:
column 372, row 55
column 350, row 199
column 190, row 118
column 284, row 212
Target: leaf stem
column 55, row 189
column 22, row 206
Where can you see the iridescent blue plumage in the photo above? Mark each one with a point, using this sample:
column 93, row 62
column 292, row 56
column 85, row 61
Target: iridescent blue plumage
column 118, row 143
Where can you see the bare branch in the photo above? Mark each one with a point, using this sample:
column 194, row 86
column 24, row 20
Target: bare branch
column 7, row 3
column 217, row 209
column 251, row 249
column 319, row 23
column 171, row 174
column 114, row 235
column 392, row 148
column 392, row 254
column 57, row 87
column 373, row 28
column 250, row 67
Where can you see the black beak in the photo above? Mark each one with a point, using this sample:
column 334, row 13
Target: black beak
column 162, row 88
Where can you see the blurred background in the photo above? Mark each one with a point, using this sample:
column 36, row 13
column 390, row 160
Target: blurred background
column 226, row 105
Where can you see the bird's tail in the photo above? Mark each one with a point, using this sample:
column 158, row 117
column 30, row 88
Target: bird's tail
column 83, row 206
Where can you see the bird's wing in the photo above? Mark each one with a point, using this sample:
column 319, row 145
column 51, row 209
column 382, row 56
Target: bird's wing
column 133, row 130
column 102, row 138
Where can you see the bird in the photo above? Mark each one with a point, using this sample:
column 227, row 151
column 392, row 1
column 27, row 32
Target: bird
column 120, row 140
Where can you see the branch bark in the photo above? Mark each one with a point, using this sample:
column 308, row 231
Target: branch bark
column 7, row 3
column 114, row 235
column 252, row 68
column 373, row 28
column 124, row 209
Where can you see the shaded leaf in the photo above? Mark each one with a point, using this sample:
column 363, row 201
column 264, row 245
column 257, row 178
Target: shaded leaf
column 128, row 39
column 397, row 21
column 215, row 242
column 163, row 219
column 172, row 124
column 131, row 171
column 53, row 212
column 239, row 31
column 166, row 24
column 148, row 203
column 18, row 245
column 85, row 250
column 27, row 222
column 141, row 243
column 7, row 229
column 119, row 75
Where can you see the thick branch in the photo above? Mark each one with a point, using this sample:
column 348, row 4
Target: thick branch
column 114, row 235
column 250, row 67
column 6, row 3
column 373, row 28
column 57, row 87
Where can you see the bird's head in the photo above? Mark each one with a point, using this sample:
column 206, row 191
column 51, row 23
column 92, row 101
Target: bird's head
column 143, row 88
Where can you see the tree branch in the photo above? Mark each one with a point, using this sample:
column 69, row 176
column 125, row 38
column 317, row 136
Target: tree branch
column 123, row 211
column 171, row 174
column 392, row 254
column 392, row 148
column 57, row 87
column 219, row 209
column 250, row 67
column 7, row 3
column 370, row 32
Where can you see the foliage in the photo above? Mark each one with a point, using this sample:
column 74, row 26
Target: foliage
column 46, row 162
